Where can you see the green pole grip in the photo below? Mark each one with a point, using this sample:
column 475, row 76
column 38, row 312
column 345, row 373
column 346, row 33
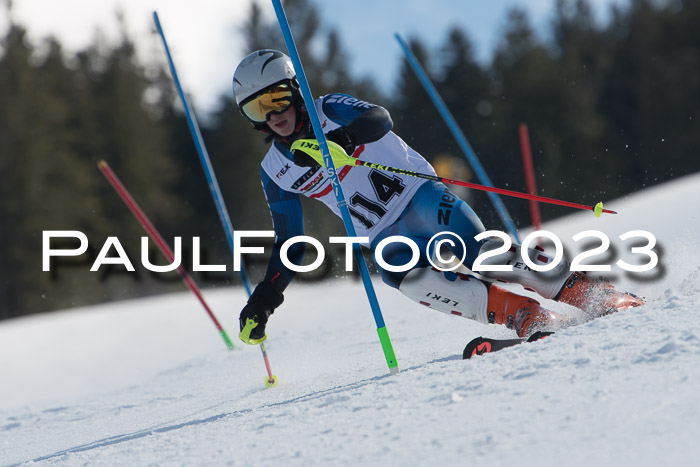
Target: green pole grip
column 388, row 350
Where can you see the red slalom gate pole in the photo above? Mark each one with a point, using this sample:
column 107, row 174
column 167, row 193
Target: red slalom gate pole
column 158, row 239
column 529, row 175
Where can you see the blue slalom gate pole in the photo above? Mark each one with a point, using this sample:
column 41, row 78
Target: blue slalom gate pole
column 270, row 379
column 459, row 136
column 203, row 156
column 337, row 190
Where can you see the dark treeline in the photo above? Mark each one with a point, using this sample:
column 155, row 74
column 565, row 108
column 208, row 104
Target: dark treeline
column 611, row 109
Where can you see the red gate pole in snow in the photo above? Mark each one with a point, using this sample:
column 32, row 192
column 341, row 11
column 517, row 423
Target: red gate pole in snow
column 529, row 175
column 162, row 244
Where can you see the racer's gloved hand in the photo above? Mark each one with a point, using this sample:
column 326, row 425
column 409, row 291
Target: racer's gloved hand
column 302, row 159
column 305, row 149
column 344, row 137
column 261, row 304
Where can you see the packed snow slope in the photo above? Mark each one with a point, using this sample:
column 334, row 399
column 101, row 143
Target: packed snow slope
column 150, row 382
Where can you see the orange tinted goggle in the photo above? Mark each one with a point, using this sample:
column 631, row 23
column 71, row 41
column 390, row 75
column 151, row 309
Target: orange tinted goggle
column 275, row 100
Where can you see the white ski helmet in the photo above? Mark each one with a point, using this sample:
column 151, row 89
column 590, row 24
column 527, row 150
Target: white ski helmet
column 260, row 70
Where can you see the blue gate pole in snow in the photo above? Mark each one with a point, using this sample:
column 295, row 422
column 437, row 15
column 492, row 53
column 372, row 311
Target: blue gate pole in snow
column 338, row 191
column 270, row 380
column 203, row 156
column 459, row 136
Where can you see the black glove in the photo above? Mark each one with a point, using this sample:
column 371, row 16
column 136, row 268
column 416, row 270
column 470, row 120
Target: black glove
column 261, row 304
column 304, row 160
column 344, row 137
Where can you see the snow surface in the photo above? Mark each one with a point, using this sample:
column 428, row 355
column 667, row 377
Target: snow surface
column 150, row 382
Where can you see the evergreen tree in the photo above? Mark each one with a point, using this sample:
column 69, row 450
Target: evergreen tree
column 415, row 117
column 581, row 59
column 525, row 87
column 651, row 89
column 465, row 85
column 41, row 173
column 56, row 121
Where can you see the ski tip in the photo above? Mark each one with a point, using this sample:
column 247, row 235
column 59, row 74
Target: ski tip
column 477, row 346
column 484, row 345
column 101, row 164
column 539, row 335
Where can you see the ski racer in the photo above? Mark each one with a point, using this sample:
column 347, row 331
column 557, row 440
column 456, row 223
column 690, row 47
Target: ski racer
column 386, row 204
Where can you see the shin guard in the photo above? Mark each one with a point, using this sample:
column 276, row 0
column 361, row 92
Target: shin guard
column 448, row 292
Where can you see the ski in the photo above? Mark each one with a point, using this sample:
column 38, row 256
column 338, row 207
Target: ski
column 482, row 345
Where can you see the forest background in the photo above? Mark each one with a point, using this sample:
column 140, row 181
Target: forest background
column 612, row 108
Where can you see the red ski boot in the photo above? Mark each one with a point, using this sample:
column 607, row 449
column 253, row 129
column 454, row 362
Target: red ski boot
column 523, row 314
column 595, row 297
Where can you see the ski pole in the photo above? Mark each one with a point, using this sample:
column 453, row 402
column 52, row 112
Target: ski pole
column 211, row 180
column 162, row 245
column 459, row 136
column 312, row 148
column 597, row 209
column 337, row 190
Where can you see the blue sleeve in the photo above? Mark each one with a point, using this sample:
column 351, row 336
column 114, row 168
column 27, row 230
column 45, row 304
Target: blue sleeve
column 367, row 122
column 288, row 222
column 343, row 109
